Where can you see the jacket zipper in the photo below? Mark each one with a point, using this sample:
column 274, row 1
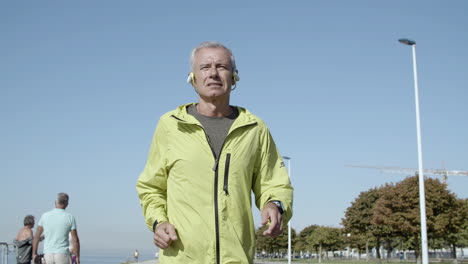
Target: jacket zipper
column 215, row 168
column 216, row 210
column 226, row 173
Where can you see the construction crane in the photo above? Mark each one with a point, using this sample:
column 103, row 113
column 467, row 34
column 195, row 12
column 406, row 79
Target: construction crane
column 393, row 169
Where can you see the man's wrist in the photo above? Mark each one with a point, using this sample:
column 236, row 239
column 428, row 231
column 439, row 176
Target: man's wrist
column 278, row 204
column 157, row 223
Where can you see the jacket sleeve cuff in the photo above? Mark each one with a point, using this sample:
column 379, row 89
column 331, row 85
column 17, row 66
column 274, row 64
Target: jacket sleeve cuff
column 156, row 224
column 154, row 220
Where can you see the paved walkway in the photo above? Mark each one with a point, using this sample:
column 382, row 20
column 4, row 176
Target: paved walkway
column 151, row 261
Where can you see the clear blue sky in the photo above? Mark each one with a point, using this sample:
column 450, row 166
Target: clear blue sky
column 83, row 84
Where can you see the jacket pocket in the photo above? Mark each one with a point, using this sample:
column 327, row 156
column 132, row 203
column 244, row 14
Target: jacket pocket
column 226, row 174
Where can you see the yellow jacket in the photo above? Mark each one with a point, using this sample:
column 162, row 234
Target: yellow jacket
column 207, row 200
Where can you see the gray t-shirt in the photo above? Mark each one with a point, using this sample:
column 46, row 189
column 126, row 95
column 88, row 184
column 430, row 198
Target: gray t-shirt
column 24, row 254
column 216, row 128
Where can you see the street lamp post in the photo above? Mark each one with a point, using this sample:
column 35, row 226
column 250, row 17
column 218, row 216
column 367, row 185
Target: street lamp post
column 422, row 199
column 289, row 223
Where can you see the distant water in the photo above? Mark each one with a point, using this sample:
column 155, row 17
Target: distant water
column 96, row 259
column 111, row 259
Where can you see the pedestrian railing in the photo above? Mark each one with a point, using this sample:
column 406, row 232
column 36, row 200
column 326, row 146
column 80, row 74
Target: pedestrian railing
column 5, row 250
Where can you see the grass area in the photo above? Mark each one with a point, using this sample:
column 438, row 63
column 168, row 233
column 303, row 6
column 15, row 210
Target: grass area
column 355, row 261
column 348, row 261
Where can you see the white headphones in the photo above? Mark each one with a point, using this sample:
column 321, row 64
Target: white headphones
column 191, row 78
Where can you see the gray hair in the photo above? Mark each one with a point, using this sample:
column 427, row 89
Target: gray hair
column 62, row 199
column 28, row 220
column 212, row 44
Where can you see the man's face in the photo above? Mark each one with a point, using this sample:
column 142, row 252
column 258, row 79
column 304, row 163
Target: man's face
column 213, row 72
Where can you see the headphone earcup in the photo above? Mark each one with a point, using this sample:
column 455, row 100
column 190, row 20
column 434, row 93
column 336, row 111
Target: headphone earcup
column 191, row 78
column 235, row 77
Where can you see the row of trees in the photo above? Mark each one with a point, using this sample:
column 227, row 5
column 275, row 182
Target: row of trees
column 388, row 217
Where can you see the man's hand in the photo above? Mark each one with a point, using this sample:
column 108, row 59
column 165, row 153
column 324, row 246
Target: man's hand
column 270, row 213
column 164, row 234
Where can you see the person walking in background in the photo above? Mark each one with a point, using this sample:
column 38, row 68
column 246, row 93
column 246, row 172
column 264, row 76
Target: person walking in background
column 205, row 160
column 56, row 225
column 24, row 241
column 135, row 255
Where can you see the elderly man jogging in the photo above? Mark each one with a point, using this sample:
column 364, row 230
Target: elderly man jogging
column 205, row 160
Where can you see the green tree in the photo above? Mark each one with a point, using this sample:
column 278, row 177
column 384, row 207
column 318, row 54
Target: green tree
column 263, row 243
column 398, row 210
column 398, row 207
column 357, row 241
column 301, row 243
column 358, row 219
column 323, row 237
column 317, row 239
column 274, row 245
column 453, row 225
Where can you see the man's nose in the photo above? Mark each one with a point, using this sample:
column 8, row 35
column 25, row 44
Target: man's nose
column 213, row 72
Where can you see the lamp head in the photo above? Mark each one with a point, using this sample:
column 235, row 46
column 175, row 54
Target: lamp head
column 407, row 41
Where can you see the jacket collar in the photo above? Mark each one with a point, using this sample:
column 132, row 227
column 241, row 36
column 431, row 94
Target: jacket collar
column 244, row 118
